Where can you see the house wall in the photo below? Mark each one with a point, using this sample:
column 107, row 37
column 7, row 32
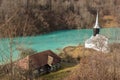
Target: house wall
column 38, row 60
column 23, row 63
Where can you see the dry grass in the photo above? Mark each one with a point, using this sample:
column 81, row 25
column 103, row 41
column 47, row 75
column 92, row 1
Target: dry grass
column 78, row 51
column 61, row 74
column 93, row 66
column 110, row 21
column 99, row 66
column 65, row 70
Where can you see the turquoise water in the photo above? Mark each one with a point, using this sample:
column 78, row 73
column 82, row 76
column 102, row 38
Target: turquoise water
column 53, row 41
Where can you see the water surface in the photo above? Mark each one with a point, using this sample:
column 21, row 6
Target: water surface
column 53, row 41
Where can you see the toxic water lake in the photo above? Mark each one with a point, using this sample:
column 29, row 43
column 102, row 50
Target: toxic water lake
column 54, row 41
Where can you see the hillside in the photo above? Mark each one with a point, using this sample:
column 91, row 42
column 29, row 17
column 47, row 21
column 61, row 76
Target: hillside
column 20, row 19
column 93, row 65
column 33, row 17
column 96, row 65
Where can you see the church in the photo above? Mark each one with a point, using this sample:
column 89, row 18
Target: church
column 97, row 41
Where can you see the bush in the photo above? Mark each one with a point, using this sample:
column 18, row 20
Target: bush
column 26, row 52
column 100, row 66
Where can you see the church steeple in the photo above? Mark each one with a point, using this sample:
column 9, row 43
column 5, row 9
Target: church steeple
column 96, row 28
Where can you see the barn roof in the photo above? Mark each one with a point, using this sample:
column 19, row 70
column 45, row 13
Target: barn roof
column 37, row 60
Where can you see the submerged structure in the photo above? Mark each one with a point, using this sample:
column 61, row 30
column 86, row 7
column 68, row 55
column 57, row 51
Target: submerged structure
column 97, row 41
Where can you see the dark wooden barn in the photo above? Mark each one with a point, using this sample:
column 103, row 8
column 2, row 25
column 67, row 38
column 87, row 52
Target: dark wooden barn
column 41, row 62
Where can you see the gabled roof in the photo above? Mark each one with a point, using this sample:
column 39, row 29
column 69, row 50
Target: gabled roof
column 37, row 60
column 41, row 58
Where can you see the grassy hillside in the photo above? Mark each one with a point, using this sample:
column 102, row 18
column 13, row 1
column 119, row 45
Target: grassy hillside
column 61, row 74
column 98, row 66
column 93, row 66
column 110, row 21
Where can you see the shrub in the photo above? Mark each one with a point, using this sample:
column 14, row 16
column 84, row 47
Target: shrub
column 100, row 66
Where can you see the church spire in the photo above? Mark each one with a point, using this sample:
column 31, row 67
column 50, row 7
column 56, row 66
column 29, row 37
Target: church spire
column 96, row 28
column 97, row 24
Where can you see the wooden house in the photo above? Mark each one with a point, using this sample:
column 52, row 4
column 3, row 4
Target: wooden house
column 41, row 62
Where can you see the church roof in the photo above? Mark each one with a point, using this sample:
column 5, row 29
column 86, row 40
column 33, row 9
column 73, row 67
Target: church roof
column 96, row 24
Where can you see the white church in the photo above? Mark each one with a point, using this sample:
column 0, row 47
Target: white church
column 97, row 41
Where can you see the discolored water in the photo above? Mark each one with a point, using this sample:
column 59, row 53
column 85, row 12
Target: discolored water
column 53, row 41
